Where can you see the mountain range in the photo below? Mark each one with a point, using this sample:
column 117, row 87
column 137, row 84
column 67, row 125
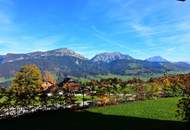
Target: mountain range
column 64, row 62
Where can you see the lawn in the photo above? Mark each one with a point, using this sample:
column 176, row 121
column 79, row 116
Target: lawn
column 162, row 109
column 145, row 115
column 2, row 79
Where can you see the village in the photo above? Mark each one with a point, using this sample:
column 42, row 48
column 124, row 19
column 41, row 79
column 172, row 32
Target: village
column 76, row 97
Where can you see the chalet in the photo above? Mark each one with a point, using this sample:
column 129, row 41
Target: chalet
column 70, row 85
column 47, row 88
column 46, row 85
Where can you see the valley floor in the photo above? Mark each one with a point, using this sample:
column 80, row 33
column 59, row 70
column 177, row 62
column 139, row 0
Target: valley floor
column 143, row 115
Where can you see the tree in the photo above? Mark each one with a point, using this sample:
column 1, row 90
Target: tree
column 153, row 90
column 140, row 90
column 181, row 0
column 184, row 103
column 48, row 77
column 27, row 80
column 3, row 100
column 25, row 84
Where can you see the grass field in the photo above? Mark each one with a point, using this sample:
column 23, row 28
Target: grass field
column 145, row 115
column 162, row 109
column 123, row 77
column 2, row 79
column 128, row 77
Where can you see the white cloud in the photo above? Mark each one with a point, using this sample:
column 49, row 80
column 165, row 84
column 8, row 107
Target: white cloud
column 7, row 16
column 182, row 39
column 104, row 37
column 28, row 43
column 142, row 29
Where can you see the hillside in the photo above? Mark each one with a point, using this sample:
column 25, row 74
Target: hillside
column 64, row 62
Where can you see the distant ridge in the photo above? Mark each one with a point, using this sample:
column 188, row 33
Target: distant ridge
column 10, row 57
column 66, row 62
column 157, row 59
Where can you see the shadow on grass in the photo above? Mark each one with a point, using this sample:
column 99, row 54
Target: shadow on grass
column 62, row 119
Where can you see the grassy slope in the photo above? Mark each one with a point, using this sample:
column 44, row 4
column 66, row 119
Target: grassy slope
column 2, row 79
column 132, row 116
column 162, row 109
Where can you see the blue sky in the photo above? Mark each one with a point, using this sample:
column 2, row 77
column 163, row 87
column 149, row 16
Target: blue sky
column 140, row 28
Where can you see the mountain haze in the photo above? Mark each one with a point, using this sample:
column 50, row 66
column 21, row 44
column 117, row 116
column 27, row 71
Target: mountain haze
column 156, row 59
column 64, row 62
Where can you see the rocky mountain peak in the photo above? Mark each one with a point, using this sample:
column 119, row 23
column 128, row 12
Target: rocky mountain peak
column 110, row 56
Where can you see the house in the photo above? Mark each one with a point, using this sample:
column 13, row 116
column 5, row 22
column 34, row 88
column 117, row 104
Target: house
column 47, row 88
column 46, row 85
column 70, row 85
